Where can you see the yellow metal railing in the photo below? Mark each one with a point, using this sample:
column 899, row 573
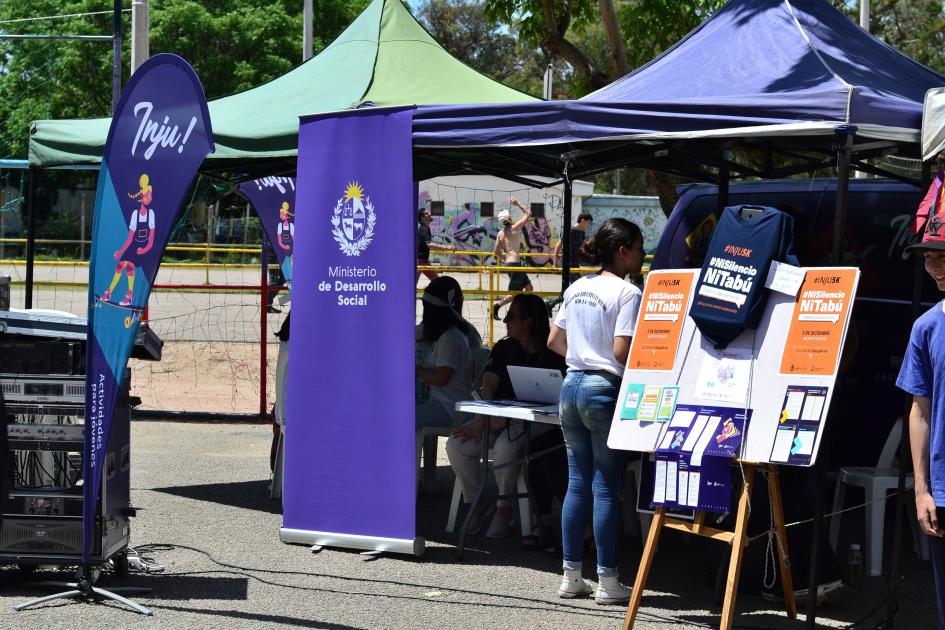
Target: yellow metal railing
column 492, row 290
column 207, row 249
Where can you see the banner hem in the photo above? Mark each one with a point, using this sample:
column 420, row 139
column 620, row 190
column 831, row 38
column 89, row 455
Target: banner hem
column 410, row 546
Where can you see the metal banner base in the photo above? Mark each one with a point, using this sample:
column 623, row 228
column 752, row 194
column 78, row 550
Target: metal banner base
column 83, row 589
column 414, row 546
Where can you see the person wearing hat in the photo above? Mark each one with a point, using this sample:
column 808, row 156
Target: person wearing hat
column 444, row 359
column 508, row 241
column 923, row 376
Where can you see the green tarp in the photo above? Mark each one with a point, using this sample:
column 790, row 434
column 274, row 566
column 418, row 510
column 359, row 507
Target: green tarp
column 384, row 58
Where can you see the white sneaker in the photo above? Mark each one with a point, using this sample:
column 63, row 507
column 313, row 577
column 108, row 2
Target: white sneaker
column 611, row 591
column 573, row 585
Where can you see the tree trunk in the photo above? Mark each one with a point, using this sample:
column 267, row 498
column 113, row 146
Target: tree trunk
column 618, row 55
column 666, row 189
column 555, row 43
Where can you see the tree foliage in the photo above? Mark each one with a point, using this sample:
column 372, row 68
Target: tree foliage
column 462, row 28
column 914, row 27
column 652, row 26
column 565, row 29
column 233, row 45
column 546, row 23
column 468, row 33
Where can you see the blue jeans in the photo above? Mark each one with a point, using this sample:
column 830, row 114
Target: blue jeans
column 594, row 470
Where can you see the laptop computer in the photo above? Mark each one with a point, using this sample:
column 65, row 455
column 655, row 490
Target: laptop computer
column 540, row 386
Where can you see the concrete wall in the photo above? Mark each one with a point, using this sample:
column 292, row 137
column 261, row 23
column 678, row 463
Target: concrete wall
column 644, row 211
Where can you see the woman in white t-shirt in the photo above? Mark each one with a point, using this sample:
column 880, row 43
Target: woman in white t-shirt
column 593, row 331
column 444, row 356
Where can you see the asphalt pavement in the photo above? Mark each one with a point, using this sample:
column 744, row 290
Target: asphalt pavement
column 202, row 494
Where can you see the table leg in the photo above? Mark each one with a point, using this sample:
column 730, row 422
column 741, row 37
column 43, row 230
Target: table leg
column 528, row 487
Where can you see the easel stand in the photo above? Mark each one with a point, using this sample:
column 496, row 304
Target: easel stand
column 84, row 589
column 738, row 539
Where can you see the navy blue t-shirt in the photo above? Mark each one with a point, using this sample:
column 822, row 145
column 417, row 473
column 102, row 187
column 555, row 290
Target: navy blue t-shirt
column 730, row 295
column 923, row 374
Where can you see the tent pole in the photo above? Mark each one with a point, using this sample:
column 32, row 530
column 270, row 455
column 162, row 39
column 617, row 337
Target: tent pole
column 30, row 237
column 566, row 235
column 843, row 147
column 905, row 450
column 725, row 175
column 263, row 322
column 116, row 54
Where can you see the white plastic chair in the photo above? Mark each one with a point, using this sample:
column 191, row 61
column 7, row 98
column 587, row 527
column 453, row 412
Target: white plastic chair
column 427, row 439
column 524, row 508
column 876, row 483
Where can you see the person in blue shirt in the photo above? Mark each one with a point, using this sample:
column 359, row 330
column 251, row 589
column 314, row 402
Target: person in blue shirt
column 923, row 376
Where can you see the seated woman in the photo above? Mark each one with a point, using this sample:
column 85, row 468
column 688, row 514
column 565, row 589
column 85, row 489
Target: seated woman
column 472, row 335
column 527, row 325
column 445, row 360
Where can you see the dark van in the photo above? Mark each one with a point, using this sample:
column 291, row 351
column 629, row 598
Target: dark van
column 879, row 221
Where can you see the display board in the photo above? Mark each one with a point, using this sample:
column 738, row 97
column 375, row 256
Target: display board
column 783, row 372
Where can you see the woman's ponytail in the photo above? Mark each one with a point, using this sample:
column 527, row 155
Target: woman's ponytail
column 588, row 252
column 608, row 239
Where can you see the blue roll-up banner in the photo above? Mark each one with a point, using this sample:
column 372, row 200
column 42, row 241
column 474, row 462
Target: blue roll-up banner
column 349, row 465
column 274, row 200
column 159, row 136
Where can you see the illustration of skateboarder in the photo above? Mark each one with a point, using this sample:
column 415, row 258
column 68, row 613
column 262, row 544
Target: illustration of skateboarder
column 141, row 233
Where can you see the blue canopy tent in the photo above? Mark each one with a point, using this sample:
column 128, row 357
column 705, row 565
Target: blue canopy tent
column 793, row 80
column 756, row 69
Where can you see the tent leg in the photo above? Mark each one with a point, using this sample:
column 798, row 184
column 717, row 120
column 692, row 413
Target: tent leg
column 566, row 237
column 844, row 147
column 905, row 457
column 725, row 176
column 30, row 238
column 263, row 322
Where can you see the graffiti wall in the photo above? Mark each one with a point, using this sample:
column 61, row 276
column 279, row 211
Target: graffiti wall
column 465, row 208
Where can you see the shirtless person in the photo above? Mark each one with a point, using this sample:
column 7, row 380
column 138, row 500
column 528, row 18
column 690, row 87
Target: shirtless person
column 508, row 241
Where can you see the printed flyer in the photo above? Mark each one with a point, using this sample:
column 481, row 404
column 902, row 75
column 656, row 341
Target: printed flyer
column 693, row 456
column 802, row 413
column 815, row 338
column 662, row 314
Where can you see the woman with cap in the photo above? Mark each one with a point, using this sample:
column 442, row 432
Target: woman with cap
column 444, row 355
column 593, row 331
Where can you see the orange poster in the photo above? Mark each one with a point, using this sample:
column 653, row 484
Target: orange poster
column 815, row 338
column 662, row 313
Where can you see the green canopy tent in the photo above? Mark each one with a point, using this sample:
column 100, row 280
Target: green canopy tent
column 384, row 58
